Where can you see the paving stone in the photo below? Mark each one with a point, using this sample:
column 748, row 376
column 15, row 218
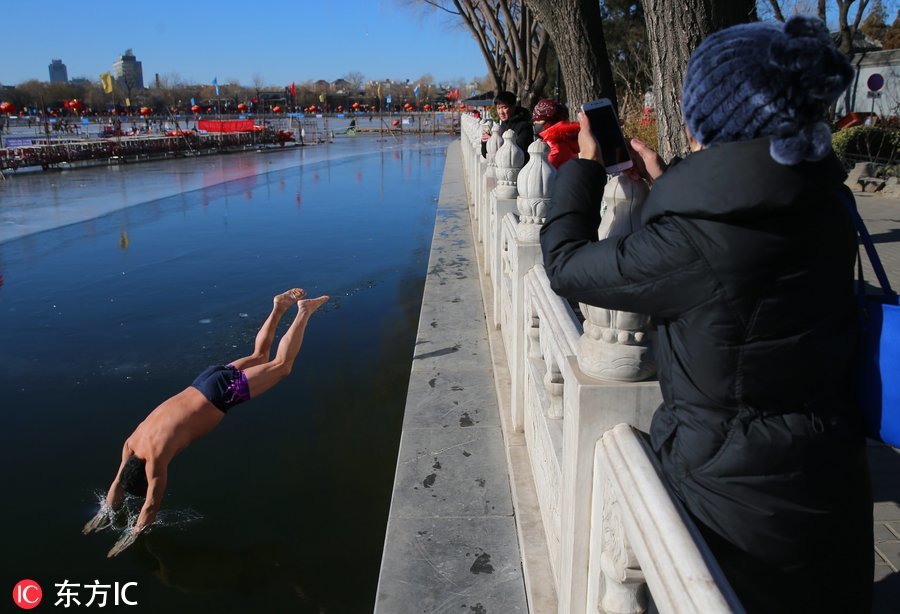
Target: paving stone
column 451, row 472
column 451, row 565
column 883, row 533
column 886, row 511
column 450, row 399
column 890, row 552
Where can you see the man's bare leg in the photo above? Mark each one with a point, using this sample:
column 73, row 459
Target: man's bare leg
column 266, row 335
column 262, row 377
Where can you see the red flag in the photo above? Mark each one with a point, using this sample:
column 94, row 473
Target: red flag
column 293, row 89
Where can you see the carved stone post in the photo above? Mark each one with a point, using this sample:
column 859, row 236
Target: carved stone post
column 534, row 182
column 493, row 144
column 508, row 160
column 489, row 182
column 616, row 344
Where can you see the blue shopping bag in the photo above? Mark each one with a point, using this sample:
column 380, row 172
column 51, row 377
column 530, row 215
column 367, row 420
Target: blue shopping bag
column 878, row 358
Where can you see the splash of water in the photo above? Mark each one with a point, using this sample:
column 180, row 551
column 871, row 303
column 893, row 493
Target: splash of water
column 123, row 520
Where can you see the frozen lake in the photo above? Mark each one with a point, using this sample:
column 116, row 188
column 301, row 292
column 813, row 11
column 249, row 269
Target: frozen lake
column 120, row 284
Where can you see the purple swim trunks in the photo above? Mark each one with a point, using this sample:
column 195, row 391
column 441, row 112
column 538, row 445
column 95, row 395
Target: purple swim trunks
column 224, row 386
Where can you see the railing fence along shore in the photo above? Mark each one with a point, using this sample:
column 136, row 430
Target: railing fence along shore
column 614, row 532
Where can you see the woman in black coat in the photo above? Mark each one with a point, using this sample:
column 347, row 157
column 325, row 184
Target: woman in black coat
column 746, row 262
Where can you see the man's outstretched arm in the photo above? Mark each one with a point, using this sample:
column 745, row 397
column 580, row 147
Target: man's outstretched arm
column 157, row 476
column 156, row 486
column 114, row 497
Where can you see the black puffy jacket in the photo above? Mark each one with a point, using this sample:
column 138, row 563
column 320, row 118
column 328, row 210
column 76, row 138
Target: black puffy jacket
column 747, row 267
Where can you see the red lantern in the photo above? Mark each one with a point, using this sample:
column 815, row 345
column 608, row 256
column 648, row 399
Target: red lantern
column 395, row 123
column 242, row 107
column 7, row 107
column 146, row 111
column 427, row 107
column 196, row 108
column 209, row 109
column 355, row 105
column 75, row 106
column 340, row 107
column 277, row 109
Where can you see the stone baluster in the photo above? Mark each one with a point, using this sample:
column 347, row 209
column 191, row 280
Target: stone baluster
column 507, row 163
column 508, row 160
column 616, row 344
column 533, row 184
column 493, row 144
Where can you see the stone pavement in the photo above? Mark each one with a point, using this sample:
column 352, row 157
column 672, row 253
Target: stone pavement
column 451, row 543
column 882, row 217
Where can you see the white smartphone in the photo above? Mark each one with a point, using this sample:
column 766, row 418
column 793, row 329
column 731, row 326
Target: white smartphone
column 605, row 127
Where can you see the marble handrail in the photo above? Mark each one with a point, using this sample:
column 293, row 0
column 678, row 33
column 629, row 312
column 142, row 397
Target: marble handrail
column 643, row 535
column 564, row 410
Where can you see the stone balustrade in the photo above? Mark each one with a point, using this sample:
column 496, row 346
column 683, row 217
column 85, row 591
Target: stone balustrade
column 578, row 391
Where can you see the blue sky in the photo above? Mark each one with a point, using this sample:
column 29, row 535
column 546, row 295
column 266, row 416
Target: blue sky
column 279, row 41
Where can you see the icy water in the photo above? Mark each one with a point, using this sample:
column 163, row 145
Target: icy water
column 282, row 508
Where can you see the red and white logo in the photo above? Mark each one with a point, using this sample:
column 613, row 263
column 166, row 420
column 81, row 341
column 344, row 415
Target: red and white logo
column 27, row 594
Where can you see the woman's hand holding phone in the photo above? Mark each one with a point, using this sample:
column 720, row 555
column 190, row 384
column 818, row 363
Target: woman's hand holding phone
column 647, row 163
column 588, row 148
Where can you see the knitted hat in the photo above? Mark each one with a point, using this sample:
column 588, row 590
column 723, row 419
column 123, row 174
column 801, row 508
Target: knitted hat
column 547, row 110
column 764, row 79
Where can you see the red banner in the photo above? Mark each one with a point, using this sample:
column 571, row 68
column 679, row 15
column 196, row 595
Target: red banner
column 225, row 125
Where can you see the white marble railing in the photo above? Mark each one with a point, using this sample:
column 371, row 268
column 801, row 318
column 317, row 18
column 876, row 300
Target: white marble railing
column 575, row 424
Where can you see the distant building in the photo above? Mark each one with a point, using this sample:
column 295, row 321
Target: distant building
column 857, row 97
column 127, row 72
column 58, row 72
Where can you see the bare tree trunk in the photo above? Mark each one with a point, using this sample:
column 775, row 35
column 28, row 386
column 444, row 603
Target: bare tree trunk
column 674, row 29
column 576, row 31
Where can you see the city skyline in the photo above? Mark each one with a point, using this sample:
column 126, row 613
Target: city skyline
column 381, row 40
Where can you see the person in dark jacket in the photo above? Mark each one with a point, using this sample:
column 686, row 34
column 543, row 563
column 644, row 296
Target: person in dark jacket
column 746, row 262
column 512, row 117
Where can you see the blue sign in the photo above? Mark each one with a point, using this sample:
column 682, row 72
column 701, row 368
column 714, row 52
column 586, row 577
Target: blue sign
column 875, row 82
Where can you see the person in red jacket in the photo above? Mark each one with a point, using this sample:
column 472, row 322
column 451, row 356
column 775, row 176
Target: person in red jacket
column 550, row 125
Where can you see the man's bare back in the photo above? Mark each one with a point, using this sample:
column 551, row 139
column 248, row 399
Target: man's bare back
column 173, row 425
column 196, row 410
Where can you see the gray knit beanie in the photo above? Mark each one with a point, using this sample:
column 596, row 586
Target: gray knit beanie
column 765, row 79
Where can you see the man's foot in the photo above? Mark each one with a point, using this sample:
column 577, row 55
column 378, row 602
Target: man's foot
column 286, row 299
column 308, row 307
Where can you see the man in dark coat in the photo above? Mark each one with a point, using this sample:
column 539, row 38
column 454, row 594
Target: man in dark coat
column 512, row 117
column 746, row 261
